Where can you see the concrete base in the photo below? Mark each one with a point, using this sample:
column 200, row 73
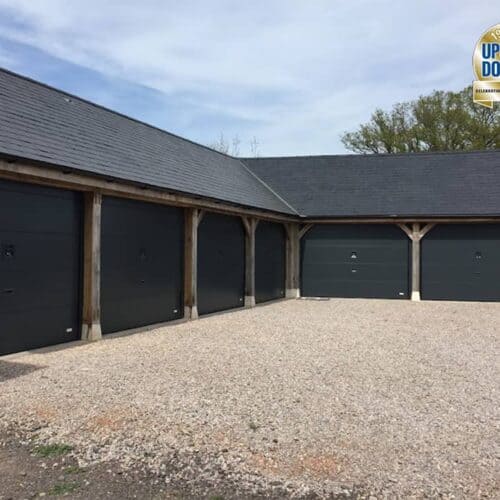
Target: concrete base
column 292, row 293
column 249, row 301
column 91, row 333
column 415, row 296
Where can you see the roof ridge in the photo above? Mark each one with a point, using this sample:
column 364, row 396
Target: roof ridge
column 372, row 155
column 247, row 188
column 269, row 188
column 109, row 110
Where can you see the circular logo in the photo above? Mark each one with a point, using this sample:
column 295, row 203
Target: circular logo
column 486, row 58
column 486, row 64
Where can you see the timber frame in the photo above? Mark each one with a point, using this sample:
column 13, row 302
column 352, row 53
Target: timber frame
column 416, row 232
column 250, row 225
column 60, row 177
column 93, row 189
column 91, row 313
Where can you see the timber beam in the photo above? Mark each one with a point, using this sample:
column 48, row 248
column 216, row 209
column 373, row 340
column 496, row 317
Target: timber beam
column 64, row 178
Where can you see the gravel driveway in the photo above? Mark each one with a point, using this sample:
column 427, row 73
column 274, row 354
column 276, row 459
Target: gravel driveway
column 292, row 398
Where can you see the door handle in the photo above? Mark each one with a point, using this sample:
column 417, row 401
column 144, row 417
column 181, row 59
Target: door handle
column 8, row 290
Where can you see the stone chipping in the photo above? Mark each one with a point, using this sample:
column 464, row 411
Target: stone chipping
column 345, row 397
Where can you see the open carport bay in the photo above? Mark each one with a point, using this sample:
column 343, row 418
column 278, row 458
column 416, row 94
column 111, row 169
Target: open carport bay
column 394, row 398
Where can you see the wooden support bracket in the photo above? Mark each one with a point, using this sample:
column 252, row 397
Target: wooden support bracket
column 303, row 230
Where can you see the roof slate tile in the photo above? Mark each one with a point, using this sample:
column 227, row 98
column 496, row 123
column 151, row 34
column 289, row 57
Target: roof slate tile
column 40, row 123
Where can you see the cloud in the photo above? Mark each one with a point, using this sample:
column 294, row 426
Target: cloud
column 295, row 74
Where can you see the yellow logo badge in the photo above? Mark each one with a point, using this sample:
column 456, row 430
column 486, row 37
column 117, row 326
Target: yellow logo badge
column 486, row 62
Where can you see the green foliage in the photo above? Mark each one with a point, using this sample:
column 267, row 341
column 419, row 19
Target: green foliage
column 441, row 121
column 63, row 489
column 53, row 450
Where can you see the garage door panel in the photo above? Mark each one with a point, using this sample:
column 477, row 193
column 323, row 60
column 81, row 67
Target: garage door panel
column 363, row 251
column 149, row 308
column 461, row 262
column 355, row 261
column 270, row 261
column 44, row 251
column 370, row 271
column 350, row 289
column 141, row 265
column 37, row 293
column 56, row 326
column 48, row 210
column 40, row 266
column 221, row 263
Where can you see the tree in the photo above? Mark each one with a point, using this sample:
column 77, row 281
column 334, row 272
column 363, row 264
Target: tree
column 223, row 146
column 441, row 121
column 254, row 147
column 232, row 148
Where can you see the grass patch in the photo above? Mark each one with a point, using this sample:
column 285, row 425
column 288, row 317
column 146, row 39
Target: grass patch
column 53, row 450
column 63, row 488
column 216, row 497
column 73, row 469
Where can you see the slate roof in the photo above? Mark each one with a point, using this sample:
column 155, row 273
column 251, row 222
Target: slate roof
column 418, row 184
column 43, row 124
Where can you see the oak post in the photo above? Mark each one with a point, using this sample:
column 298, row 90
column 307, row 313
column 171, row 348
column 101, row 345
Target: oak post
column 192, row 218
column 91, row 327
column 416, row 233
column 250, row 225
column 292, row 260
column 415, row 262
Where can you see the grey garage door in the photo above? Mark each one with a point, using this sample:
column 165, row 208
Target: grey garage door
column 270, row 255
column 355, row 260
column 221, row 263
column 461, row 262
column 40, row 245
column 142, row 264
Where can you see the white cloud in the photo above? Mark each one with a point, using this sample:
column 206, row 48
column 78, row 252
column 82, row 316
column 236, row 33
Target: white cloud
column 295, row 74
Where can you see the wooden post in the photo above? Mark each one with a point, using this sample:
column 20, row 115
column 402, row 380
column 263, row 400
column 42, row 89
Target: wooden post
column 415, row 262
column 91, row 328
column 192, row 219
column 292, row 260
column 415, row 233
column 250, row 225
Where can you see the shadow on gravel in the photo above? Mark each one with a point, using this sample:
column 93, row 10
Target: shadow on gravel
column 14, row 369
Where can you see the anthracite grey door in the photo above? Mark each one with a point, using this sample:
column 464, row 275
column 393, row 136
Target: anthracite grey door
column 141, row 264
column 221, row 263
column 355, row 260
column 461, row 262
column 40, row 266
column 270, row 256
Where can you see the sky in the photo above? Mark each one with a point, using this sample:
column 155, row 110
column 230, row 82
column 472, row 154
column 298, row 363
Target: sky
column 293, row 74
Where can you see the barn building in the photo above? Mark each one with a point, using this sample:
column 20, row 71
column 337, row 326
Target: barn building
column 109, row 224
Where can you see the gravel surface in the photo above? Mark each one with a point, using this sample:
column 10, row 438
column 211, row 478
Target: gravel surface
column 297, row 398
